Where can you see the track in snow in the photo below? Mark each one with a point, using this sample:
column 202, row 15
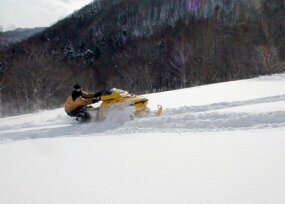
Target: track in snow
column 217, row 117
column 236, row 115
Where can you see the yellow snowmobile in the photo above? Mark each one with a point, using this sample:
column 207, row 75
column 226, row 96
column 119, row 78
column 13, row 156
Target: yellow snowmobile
column 114, row 99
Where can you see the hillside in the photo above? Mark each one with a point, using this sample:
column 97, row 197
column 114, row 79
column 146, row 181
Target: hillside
column 144, row 46
column 220, row 143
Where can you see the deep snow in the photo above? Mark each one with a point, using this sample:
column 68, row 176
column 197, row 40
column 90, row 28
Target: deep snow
column 219, row 143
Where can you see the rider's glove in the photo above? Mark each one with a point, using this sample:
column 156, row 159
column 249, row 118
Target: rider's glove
column 96, row 99
column 98, row 94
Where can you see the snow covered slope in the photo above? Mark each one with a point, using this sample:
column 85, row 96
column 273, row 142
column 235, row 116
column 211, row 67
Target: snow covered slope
column 220, row 143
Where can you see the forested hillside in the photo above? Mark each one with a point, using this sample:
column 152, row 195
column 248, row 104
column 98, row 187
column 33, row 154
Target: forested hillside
column 143, row 46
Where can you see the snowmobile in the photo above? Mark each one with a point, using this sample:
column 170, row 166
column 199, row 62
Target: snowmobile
column 117, row 99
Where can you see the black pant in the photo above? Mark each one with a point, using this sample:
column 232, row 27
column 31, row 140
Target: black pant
column 80, row 113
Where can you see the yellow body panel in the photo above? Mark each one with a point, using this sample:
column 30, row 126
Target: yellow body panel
column 119, row 97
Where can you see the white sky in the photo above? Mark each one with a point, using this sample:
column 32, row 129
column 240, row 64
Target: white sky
column 35, row 13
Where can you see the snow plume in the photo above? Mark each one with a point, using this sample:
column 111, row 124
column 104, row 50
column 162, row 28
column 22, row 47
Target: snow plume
column 119, row 113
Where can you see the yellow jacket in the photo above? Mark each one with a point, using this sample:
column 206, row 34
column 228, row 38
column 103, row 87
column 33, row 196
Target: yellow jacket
column 80, row 101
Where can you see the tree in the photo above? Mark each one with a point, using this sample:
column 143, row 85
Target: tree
column 1, row 102
column 180, row 61
column 3, row 68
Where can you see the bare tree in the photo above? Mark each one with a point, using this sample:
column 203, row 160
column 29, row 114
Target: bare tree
column 180, row 61
column 1, row 102
column 3, row 68
column 269, row 60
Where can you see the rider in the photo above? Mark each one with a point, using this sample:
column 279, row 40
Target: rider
column 76, row 105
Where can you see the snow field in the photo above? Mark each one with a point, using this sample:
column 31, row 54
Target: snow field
column 216, row 167
column 219, row 143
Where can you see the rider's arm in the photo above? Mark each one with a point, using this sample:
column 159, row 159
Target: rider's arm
column 87, row 95
column 83, row 102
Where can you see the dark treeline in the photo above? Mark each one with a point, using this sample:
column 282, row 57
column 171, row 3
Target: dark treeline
column 143, row 46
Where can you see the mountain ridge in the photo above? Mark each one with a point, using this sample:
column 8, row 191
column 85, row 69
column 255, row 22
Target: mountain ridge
column 11, row 37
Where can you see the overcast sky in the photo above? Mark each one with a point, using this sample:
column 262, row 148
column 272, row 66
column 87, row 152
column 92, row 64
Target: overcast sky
column 35, row 13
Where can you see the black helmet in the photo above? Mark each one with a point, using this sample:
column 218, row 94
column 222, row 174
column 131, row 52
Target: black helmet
column 77, row 88
column 76, row 92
